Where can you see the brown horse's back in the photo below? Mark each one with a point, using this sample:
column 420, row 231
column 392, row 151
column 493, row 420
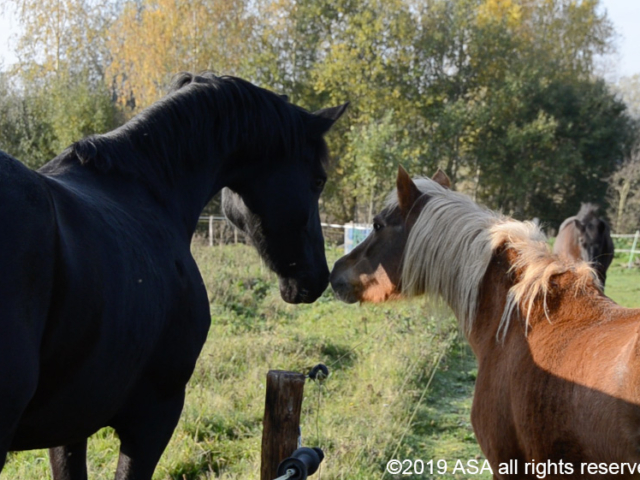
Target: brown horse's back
column 567, row 390
column 566, row 399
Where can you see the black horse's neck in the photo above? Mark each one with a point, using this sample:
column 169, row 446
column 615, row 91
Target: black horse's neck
column 186, row 147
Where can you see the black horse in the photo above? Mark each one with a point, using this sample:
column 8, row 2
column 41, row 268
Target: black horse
column 586, row 237
column 103, row 309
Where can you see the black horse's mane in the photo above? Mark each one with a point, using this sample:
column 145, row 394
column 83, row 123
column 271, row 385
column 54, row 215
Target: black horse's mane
column 235, row 115
column 587, row 209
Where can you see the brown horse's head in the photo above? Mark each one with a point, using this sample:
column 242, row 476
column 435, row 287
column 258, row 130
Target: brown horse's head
column 372, row 271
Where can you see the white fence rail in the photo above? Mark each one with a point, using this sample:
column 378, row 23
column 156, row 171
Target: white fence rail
column 354, row 233
column 635, row 248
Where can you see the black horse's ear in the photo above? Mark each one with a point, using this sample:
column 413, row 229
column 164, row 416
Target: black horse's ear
column 323, row 120
column 180, row 80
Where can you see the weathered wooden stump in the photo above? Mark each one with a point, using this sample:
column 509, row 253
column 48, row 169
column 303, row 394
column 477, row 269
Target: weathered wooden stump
column 281, row 424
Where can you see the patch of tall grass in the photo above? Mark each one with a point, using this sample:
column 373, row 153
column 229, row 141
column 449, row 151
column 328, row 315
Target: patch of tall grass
column 400, row 387
column 377, row 356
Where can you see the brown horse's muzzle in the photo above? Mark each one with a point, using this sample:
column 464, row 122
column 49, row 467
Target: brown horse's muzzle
column 352, row 283
column 344, row 287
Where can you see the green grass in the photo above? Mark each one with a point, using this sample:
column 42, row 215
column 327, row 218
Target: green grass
column 401, row 384
column 623, row 284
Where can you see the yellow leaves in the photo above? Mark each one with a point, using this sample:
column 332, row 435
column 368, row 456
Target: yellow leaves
column 156, row 39
column 56, row 35
column 500, row 11
column 144, row 49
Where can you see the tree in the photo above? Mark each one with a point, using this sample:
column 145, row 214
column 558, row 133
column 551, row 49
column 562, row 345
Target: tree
column 364, row 55
column 56, row 94
column 38, row 122
column 499, row 93
column 24, row 131
column 61, row 36
column 375, row 151
column 153, row 40
column 624, row 193
column 629, row 90
column 511, row 106
column 550, row 147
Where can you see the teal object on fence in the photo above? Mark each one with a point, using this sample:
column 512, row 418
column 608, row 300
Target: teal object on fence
column 355, row 234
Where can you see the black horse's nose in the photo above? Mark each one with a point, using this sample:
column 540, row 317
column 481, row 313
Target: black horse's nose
column 303, row 289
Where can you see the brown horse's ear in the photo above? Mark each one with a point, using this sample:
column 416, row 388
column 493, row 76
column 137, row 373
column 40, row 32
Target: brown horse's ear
column 441, row 179
column 408, row 193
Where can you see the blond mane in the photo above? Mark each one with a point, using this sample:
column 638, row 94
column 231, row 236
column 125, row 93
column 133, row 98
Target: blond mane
column 451, row 244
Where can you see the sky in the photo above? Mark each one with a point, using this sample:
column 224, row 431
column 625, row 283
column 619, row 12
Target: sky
column 7, row 26
column 625, row 15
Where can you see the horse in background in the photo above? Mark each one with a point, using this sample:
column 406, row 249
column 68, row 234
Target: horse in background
column 586, row 237
column 558, row 362
column 104, row 311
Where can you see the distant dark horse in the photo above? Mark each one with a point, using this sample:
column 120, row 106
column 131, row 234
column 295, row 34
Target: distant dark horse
column 586, row 237
column 103, row 309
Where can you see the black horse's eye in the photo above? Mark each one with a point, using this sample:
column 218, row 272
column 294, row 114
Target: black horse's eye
column 319, row 183
column 377, row 226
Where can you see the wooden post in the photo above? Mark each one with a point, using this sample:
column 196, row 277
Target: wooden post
column 633, row 249
column 211, row 230
column 281, row 424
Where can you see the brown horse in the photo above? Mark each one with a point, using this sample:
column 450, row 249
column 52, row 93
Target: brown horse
column 586, row 237
column 558, row 386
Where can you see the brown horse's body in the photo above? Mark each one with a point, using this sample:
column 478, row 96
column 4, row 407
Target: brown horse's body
column 558, row 362
column 568, row 390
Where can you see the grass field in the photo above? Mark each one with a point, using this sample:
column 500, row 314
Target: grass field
column 401, row 384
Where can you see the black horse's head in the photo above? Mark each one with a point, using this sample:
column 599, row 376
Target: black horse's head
column 276, row 205
column 594, row 239
column 212, row 132
column 593, row 231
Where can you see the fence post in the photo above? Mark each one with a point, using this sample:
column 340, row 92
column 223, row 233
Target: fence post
column 211, row 230
column 633, row 248
column 281, row 424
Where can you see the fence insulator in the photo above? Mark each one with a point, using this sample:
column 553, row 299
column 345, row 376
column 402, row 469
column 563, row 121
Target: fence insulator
column 303, row 462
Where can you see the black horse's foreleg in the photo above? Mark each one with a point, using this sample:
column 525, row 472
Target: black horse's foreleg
column 69, row 462
column 145, row 428
column 18, row 376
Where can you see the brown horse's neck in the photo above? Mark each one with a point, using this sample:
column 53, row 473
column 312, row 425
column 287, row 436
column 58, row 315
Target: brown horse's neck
column 492, row 300
column 565, row 305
